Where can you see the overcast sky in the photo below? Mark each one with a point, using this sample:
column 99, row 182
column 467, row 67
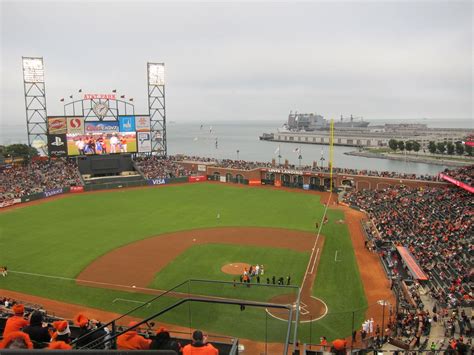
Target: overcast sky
column 248, row 61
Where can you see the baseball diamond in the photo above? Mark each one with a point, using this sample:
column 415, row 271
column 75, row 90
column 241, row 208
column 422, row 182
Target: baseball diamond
column 109, row 274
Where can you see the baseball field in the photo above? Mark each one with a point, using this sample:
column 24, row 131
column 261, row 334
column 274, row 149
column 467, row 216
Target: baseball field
column 114, row 250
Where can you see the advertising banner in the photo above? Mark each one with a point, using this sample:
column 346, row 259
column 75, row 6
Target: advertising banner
column 222, row 179
column 305, row 186
column 255, row 182
column 75, row 125
column 49, row 193
column 277, row 183
column 101, row 127
column 127, row 123
column 76, row 189
column 156, row 182
column 57, row 145
column 142, row 123
column 144, row 141
column 201, row 167
column 57, row 125
column 196, row 178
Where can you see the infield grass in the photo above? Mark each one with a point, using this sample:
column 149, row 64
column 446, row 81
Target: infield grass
column 61, row 237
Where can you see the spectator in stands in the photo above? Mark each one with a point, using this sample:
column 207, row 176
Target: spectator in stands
column 131, row 340
column 200, row 346
column 163, row 341
column 37, row 176
column 59, row 345
column 87, row 326
column 35, row 330
column 62, row 331
column 16, row 340
column 15, row 322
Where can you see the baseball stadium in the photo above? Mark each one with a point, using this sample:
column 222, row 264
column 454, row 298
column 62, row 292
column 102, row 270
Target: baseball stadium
column 109, row 244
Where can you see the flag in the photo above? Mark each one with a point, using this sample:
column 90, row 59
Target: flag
column 62, row 100
column 114, row 90
column 277, row 151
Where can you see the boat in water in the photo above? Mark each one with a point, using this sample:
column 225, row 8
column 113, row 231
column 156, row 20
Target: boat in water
column 313, row 122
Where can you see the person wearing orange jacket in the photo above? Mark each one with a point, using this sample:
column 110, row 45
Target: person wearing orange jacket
column 16, row 340
column 16, row 322
column 131, row 340
column 200, row 346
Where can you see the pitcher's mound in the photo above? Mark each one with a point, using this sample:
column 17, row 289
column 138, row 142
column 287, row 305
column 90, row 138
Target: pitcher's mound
column 235, row 268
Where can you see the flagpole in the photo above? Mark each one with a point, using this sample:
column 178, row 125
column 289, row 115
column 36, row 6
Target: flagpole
column 279, row 156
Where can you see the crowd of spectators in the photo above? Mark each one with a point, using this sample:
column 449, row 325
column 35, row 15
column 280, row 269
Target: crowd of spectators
column 160, row 168
column 37, row 176
column 435, row 224
column 464, row 174
column 30, row 328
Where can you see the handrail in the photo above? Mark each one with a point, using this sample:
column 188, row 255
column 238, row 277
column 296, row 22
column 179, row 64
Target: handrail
column 205, row 300
column 129, row 312
column 113, row 322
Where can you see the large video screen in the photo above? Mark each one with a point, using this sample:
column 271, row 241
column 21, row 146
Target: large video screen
column 101, row 143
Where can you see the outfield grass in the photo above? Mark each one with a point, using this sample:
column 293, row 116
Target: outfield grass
column 61, row 237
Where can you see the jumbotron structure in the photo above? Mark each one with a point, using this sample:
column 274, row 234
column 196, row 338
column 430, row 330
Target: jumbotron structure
column 95, row 117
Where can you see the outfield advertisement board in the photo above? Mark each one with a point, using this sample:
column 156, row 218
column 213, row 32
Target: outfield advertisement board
column 102, row 127
column 57, row 125
column 57, row 145
column 75, row 125
column 142, row 123
column 49, row 193
column 144, row 141
column 156, row 181
column 76, row 189
column 197, row 178
column 127, row 123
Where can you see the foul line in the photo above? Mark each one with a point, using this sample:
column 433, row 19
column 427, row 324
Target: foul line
column 127, row 300
column 315, row 243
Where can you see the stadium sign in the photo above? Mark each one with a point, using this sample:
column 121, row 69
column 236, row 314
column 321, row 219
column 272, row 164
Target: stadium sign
column 57, row 145
column 156, row 181
column 99, row 96
column 286, row 171
column 101, row 127
column 49, row 193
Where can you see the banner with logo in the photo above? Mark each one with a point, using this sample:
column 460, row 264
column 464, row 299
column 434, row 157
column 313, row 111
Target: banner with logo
column 49, row 193
column 156, row 182
column 57, row 125
column 144, row 142
column 255, row 182
column 101, row 127
column 142, row 123
column 76, row 189
column 196, row 178
column 57, row 145
column 75, row 125
column 127, row 123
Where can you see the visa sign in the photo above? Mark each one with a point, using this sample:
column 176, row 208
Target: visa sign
column 156, row 181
